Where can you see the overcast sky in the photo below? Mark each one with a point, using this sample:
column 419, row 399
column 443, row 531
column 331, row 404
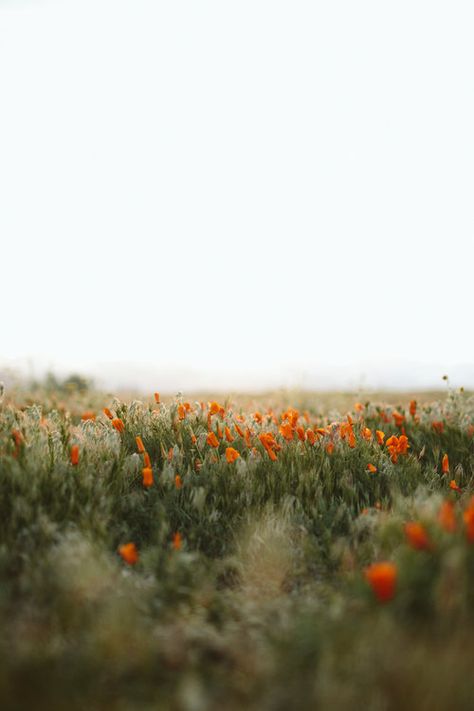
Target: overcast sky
column 250, row 190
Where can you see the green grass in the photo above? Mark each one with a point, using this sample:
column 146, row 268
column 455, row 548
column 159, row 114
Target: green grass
column 265, row 605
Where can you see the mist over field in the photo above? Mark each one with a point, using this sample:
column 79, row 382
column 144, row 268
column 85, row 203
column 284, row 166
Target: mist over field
column 145, row 378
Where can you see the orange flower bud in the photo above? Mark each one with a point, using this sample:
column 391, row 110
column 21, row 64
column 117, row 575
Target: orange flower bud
column 118, row 424
column 239, row 430
column 140, row 445
column 147, row 473
column 445, row 464
column 74, row 455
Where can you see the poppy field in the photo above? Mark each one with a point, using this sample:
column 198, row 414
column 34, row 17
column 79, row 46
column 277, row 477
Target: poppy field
column 225, row 554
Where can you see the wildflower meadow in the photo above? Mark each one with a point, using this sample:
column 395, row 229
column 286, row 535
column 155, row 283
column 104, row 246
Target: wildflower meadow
column 197, row 553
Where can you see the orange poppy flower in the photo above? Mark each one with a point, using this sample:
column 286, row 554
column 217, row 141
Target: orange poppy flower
column 413, row 408
column 89, row 415
column 219, row 432
column 147, row 474
column 177, row 541
column 212, row 440
column 358, row 407
column 181, row 412
column 257, row 416
column 445, row 464
column 330, row 448
column 118, row 424
column 228, row 434
column 140, row 445
column 345, row 429
column 454, row 486
column 108, row 413
column 352, row 439
column 398, row 418
column 417, row 536
column 146, row 460
column 157, row 398
column 129, row 553
column 170, row 454
column 214, row 408
column 366, row 434
column 193, row 438
column 322, row 431
column 178, row 482
column 310, row 436
column 438, row 426
column 380, row 436
column 291, row 415
column 372, row 468
column 468, row 517
column 447, row 517
column 396, row 446
column 271, row 446
column 231, row 454
column 382, row 578
column 403, row 444
column 301, row 433
column 286, row 431
column 74, row 455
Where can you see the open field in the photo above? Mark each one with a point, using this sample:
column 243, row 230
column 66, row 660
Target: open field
column 285, row 551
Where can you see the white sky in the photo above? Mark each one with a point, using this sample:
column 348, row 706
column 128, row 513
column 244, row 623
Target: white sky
column 226, row 187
